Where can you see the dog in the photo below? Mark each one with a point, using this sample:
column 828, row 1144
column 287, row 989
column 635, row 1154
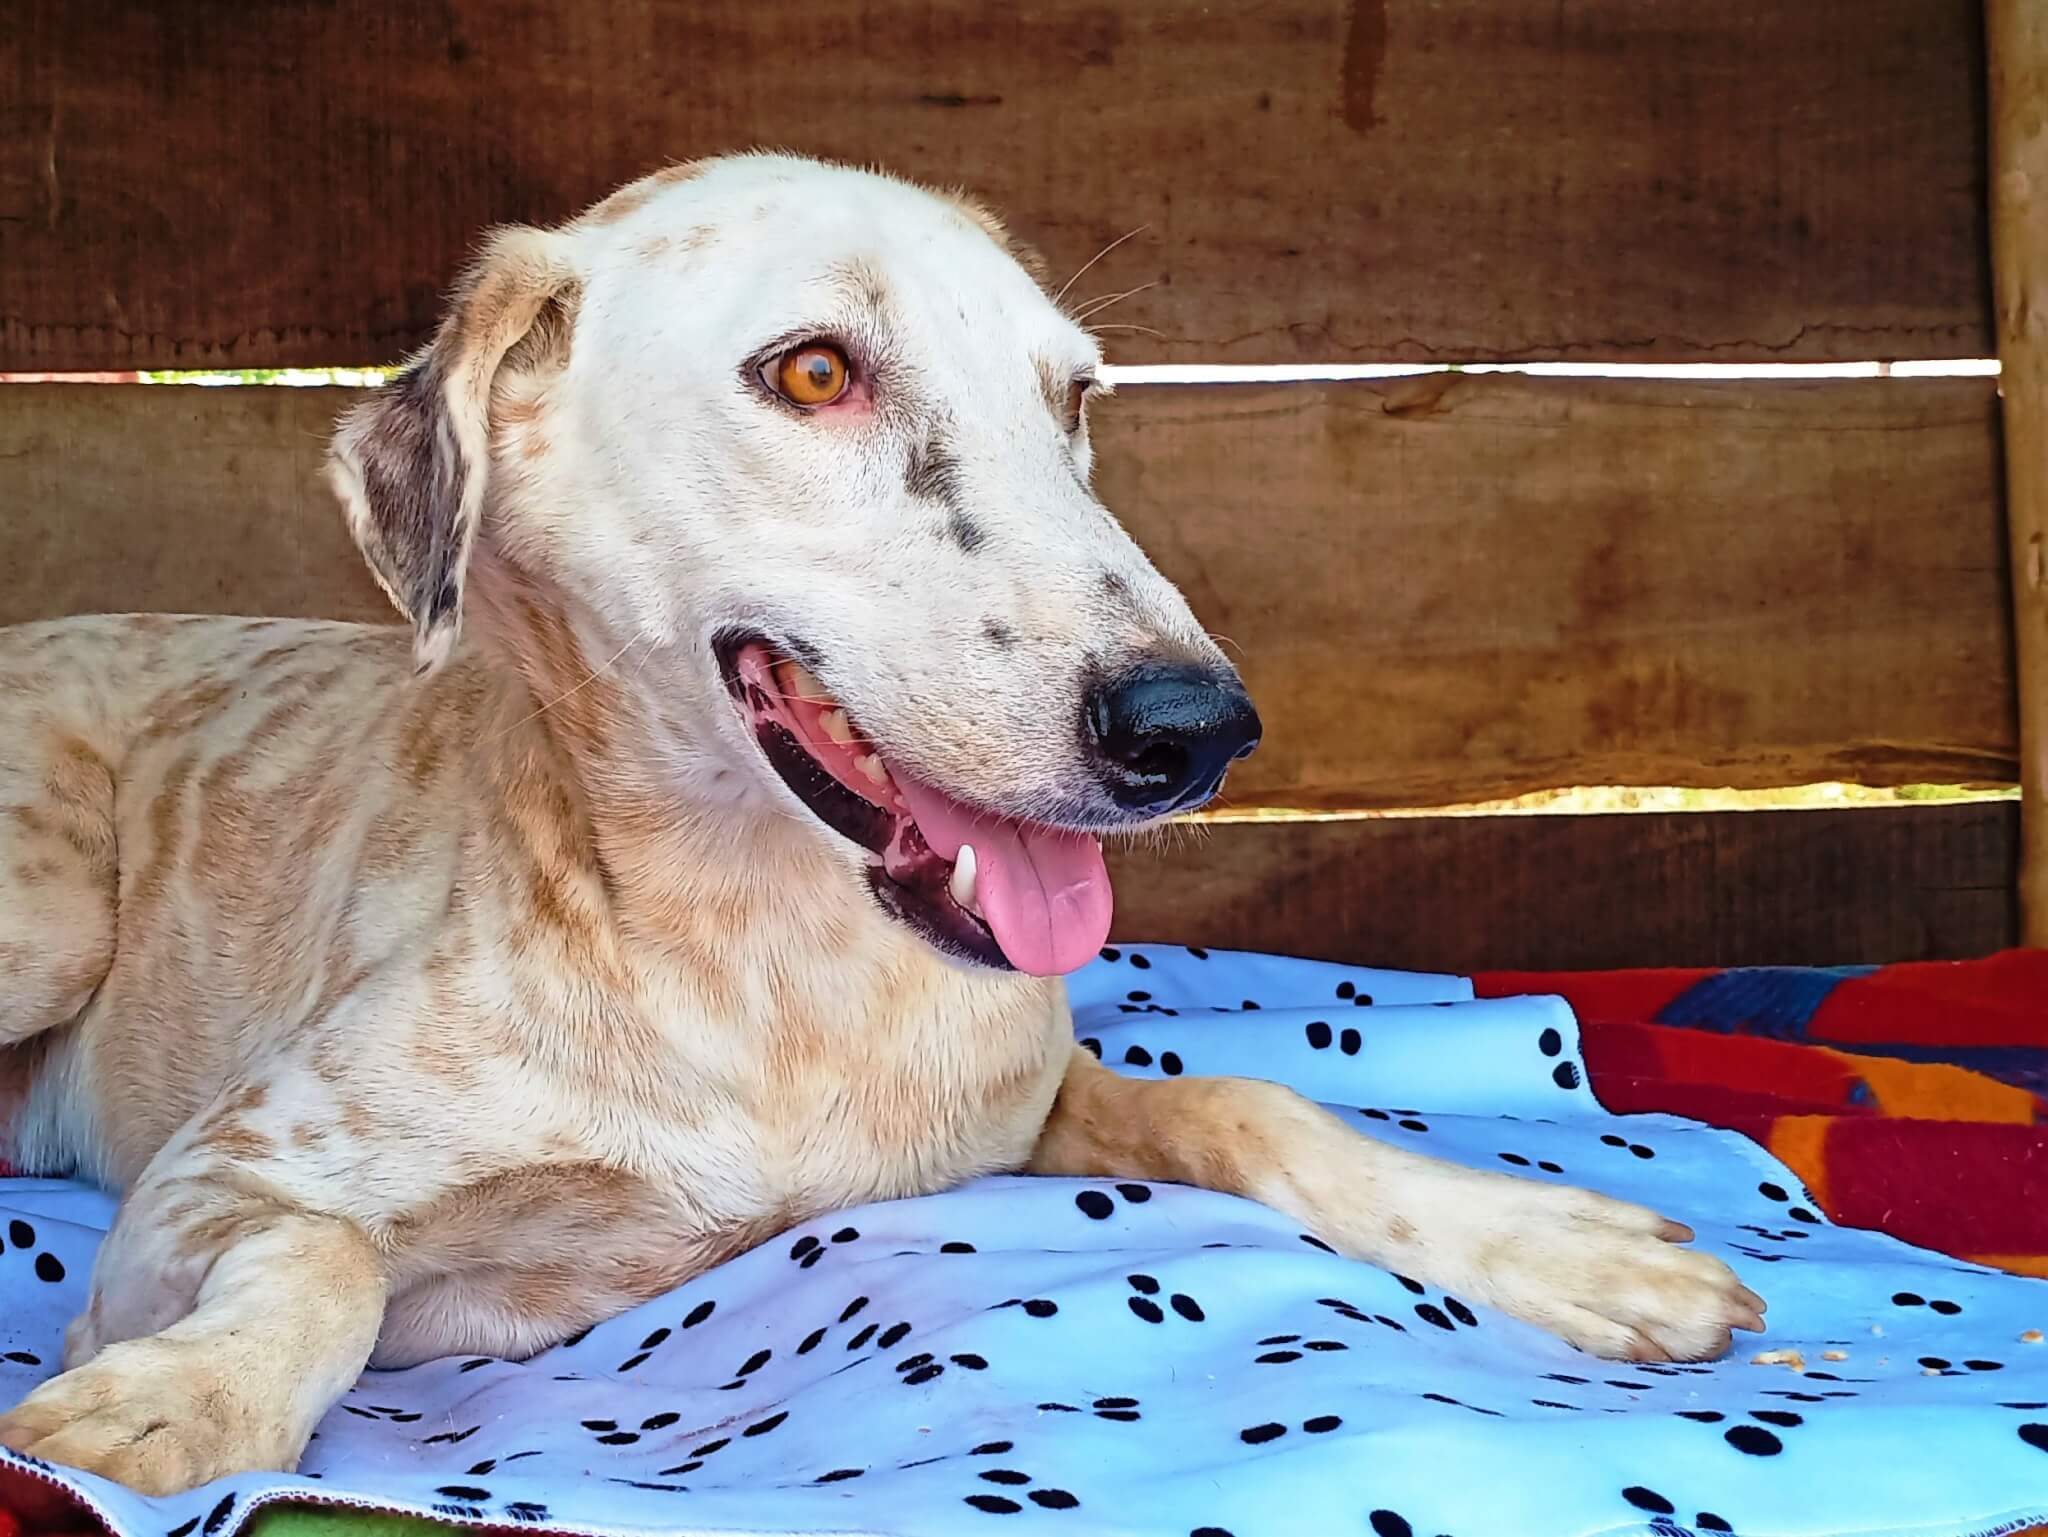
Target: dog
column 702, row 854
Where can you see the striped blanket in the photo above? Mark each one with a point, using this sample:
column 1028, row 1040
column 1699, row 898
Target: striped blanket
column 1910, row 1098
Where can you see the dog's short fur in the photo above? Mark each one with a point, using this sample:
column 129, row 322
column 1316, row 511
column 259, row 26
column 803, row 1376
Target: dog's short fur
column 447, row 989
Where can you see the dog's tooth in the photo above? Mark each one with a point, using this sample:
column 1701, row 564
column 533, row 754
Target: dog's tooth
column 800, row 682
column 871, row 764
column 962, row 884
column 836, row 725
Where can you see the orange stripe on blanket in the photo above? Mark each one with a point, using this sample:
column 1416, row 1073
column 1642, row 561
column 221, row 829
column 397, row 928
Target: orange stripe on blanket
column 1800, row 1142
column 1935, row 1091
column 2018, row 1264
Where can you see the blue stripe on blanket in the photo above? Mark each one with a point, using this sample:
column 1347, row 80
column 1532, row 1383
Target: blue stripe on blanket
column 1778, row 1001
column 1100, row 1356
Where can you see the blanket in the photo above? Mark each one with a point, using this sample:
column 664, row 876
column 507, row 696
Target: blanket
column 1908, row 1098
column 1040, row 1355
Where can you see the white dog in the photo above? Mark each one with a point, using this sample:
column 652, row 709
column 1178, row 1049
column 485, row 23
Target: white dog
column 702, row 858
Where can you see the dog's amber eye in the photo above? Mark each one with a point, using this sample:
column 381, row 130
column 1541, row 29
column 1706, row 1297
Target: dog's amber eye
column 815, row 374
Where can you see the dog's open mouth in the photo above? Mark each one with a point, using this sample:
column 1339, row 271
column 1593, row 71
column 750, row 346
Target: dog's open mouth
column 999, row 890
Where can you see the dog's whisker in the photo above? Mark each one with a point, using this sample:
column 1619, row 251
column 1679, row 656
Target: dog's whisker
column 591, row 677
column 1113, row 326
column 1060, row 297
column 1225, row 640
column 1102, row 302
column 653, row 645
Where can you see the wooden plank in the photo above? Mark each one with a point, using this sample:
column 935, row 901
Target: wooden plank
column 2019, row 92
column 143, row 497
column 1458, row 587
column 1568, row 892
column 1441, row 590
column 220, row 184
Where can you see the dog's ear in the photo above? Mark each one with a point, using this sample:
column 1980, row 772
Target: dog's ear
column 412, row 463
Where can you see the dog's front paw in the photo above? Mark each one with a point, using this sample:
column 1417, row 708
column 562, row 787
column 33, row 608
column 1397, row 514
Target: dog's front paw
column 1612, row 1279
column 158, row 1415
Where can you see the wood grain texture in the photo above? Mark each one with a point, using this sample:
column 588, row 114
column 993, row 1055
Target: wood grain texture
column 1440, row 590
column 218, row 183
column 1566, row 892
column 2019, row 73
column 1455, row 587
column 118, row 498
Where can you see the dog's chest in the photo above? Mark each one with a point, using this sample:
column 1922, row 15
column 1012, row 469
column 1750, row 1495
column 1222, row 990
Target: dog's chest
column 671, row 1152
column 825, row 1099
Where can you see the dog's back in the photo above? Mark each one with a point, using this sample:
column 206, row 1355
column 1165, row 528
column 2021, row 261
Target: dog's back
column 200, row 822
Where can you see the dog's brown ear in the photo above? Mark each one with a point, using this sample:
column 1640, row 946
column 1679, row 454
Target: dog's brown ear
column 411, row 464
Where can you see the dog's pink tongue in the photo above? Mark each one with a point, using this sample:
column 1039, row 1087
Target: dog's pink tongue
column 1044, row 892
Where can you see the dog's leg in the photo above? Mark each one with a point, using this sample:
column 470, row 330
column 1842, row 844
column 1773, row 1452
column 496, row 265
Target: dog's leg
column 1605, row 1275
column 225, row 1320
column 56, row 870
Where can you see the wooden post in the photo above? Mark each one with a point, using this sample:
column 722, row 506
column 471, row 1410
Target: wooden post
column 2017, row 35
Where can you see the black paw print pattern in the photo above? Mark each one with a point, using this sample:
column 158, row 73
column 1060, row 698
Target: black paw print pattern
column 1321, row 1037
column 1778, row 1195
column 1775, row 1235
column 1001, row 1487
column 1634, row 1149
column 705, row 1451
column 695, row 1318
column 1407, row 1120
column 916, row 1370
column 1940, row 1305
column 1143, row 1301
column 1358, row 1315
column 847, row 1314
column 1168, row 1062
column 1004, row 1505
column 610, row 1433
column 1139, row 1001
column 1803, row 1220
column 1449, row 1315
column 475, row 1502
column 1281, row 1349
column 215, row 1518
column 1121, row 1409
column 1942, row 1366
column 1550, row 1042
column 391, row 1414
column 1273, row 1430
column 1666, row 1525
column 1097, row 1205
column 807, row 1250
column 1757, row 1434
column 21, row 1239
column 759, row 1427
column 747, row 1368
column 1034, row 1307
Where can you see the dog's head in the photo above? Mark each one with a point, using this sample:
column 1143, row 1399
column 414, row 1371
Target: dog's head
column 799, row 456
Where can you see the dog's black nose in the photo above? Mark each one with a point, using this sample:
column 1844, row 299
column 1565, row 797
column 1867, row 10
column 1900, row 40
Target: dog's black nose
column 1163, row 734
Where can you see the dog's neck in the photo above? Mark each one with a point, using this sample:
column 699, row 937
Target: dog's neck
column 683, row 868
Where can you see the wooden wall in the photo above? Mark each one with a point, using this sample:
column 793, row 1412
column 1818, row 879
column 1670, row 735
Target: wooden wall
column 1319, row 179
column 1446, row 588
